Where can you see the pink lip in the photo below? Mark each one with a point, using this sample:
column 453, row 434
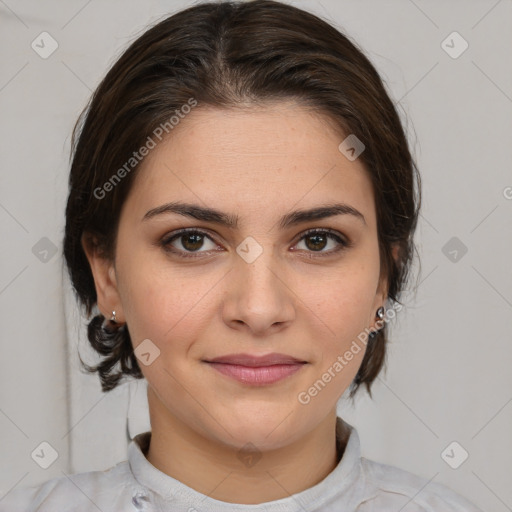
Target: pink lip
column 257, row 370
column 255, row 360
column 257, row 375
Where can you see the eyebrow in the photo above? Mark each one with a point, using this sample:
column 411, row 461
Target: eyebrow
column 231, row 221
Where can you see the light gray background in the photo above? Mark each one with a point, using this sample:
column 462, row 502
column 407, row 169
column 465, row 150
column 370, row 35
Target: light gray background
column 448, row 377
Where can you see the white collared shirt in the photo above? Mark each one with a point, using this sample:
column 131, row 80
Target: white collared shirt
column 356, row 484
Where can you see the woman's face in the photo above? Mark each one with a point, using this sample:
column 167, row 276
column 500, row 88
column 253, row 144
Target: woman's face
column 259, row 287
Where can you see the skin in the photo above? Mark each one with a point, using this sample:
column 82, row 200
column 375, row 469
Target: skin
column 259, row 163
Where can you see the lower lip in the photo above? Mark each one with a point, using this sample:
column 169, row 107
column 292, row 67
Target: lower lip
column 257, row 376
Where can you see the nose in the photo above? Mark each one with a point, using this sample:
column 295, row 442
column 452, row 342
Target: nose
column 259, row 299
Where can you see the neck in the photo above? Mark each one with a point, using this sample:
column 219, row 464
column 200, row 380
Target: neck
column 223, row 473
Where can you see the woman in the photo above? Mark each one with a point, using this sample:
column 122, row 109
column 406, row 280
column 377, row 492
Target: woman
column 242, row 203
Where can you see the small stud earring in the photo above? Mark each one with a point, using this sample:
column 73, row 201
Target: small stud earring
column 380, row 313
column 113, row 317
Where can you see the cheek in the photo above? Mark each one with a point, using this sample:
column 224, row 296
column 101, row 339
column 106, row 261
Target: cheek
column 344, row 298
column 342, row 302
column 162, row 302
column 344, row 311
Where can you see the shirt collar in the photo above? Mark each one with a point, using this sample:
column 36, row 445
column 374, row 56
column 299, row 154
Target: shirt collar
column 340, row 484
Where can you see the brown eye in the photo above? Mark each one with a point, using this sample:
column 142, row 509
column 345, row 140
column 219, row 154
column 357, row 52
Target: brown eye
column 317, row 240
column 186, row 242
column 192, row 241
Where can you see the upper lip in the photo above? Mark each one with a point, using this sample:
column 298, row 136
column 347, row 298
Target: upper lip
column 255, row 360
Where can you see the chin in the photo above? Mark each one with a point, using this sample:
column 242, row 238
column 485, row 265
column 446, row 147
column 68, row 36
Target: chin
column 265, row 432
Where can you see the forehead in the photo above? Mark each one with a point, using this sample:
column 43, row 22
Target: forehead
column 245, row 159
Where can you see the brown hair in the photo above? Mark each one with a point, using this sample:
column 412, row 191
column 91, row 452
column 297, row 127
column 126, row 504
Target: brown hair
column 224, row 54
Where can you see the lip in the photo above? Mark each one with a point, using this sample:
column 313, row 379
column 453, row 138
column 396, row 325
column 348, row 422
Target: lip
column 257, row 370
column 257, row 375
column 256, row 361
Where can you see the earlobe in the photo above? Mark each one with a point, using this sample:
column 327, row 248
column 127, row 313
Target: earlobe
column 382, row 294
column 104, row 275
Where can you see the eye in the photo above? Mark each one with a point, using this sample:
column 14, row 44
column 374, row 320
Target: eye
column 315, row 240
column 187, row 241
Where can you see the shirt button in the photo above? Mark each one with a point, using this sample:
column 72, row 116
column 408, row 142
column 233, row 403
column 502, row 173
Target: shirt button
column 139, row 500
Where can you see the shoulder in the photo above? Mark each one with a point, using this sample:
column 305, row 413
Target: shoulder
column 391, row 487
column 86, row 491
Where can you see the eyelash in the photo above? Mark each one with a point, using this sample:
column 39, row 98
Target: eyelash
column 167, row 240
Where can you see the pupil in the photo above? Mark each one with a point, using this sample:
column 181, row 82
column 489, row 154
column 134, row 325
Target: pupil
column 320, row 240
column 196, row 241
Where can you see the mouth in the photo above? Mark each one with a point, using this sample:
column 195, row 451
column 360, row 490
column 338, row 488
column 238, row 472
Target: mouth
column 257, row 375
column 255, row 360
column 257, row 370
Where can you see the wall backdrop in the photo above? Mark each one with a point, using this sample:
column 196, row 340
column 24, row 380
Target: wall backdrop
column 443, row 408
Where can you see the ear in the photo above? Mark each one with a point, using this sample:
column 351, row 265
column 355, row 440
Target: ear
column 382, row 290
column 104, row 274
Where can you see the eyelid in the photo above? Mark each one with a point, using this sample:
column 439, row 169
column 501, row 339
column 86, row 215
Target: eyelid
column 340, row 238
column 329, row 231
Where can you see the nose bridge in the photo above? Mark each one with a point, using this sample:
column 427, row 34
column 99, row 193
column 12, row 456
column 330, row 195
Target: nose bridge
column 258, row 266
column 257, row 294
